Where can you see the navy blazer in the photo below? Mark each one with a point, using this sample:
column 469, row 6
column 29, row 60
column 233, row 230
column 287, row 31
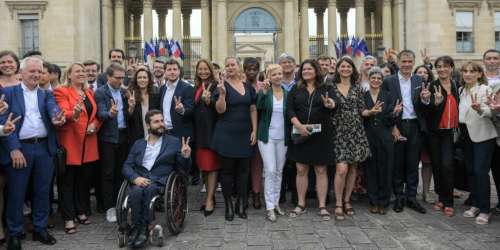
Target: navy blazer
column 169, row 159
column 183, row 124
column 391, row 84
column 109, row 129
column 48, row 109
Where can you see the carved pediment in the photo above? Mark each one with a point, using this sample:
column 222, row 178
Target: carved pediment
column 26, row 6
column 467, row 4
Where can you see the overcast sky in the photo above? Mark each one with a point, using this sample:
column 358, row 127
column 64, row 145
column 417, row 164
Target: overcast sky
column 196, row 23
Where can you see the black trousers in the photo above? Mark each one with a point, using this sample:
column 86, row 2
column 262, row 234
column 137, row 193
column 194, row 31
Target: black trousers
column 95, row 182
column 441, row 153
column 233, row 173
column 407, row 157
column 495, row 170
column 73, row 190
column 111, row 163
column 378, row 168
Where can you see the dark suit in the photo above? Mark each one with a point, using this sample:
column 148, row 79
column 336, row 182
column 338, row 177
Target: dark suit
column 113, row 144
column 136, row 120
column 407, row 154
column 182, row 124
column 169, row 159
column 380, row 165
column 38, row 157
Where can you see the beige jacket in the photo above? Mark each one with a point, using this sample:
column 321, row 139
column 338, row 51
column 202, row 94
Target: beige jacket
column 479, row 126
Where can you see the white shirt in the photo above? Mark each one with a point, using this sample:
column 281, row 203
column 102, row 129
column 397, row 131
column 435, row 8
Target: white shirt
column 405, row 86
column 277, row 125
column 151, row 153
column 93, row 86
column 33, row 126
column 493, row 81
column 167, row 104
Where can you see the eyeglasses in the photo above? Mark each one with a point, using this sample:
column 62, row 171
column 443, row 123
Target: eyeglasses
column 119, row 77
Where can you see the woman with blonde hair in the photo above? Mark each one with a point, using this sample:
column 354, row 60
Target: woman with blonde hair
column 479, row 136
column 79, row 137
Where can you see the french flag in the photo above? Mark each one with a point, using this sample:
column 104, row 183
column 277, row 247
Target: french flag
column 177, row 50
column 149, row 51
column 162, row 49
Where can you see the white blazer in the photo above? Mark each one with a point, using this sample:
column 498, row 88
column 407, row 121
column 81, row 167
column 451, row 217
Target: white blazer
column 479, row 126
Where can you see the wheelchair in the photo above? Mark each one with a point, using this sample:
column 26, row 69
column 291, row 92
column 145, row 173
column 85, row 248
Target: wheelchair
column 169, row 208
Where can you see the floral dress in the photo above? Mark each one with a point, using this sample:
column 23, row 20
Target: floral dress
column 351, row 143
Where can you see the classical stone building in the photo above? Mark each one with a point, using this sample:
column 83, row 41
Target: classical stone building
column 74, row 30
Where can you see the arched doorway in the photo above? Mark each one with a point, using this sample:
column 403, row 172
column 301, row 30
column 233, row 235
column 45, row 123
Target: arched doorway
column 256, row 35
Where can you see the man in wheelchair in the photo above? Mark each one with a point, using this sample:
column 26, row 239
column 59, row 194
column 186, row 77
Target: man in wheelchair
column 147, row 167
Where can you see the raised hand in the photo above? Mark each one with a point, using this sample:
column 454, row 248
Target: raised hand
column 494, row 103
column 438, row 96
column 475, row 105
column 113, row 111
column 425, row 56
column 207, row 94
column 377, row 108
column 266, row 85
column 10, row 125
column 59, row 119
column 185, row 148
column 398, row 108
column 4, row 106
column 131, row 99
column 425, row 94
column 179, row 107
column 328, row 102
column 221, row 87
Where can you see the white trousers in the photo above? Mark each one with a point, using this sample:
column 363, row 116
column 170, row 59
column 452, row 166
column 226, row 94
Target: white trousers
column 273, row 156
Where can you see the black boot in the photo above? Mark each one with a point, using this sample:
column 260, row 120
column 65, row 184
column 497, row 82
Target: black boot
column 228, row 201
column 256, row 200
column 241, row 207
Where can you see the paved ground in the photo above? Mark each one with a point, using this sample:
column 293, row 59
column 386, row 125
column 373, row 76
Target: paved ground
column 407, row 230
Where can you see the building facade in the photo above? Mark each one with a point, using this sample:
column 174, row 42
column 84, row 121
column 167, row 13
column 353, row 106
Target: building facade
column 75, row 30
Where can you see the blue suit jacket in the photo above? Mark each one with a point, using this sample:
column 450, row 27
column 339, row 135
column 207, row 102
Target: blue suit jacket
column 109, row 129
column 183, row 124
column 169, row 159
column 47, row 107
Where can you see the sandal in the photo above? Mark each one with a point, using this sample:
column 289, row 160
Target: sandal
column 438, row 206
column 349, row 210
column 323, row 212
column 298, row 210
column 70, row 230
column 84, row 221
column 449, row 211
column 339, row 215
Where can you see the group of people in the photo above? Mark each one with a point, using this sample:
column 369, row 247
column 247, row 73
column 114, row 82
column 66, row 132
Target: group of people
column 249, row 131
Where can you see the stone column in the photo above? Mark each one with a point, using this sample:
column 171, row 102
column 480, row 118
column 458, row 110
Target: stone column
column 387, row 23
column 119, row 25
column 304, row 30
column 288, row 29
column 360, row 18
column 221, row 30
column 205, row 30
column 343, row 21
column 176, row 27
column 162, row 16
column 320, row 29
column 131, row 25
column 186, row 22
column 186, row 44
column 332, row 26
column 137, row 23
column 148, row 19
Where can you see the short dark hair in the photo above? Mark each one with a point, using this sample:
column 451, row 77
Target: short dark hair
column 172, row 62
column 150, row 114
column 159, row 61
column 355, row 74
column 116, row 50
column 250, row 61
column 114, row 67
column 90, row 63
column 216, row 65
column 318, row 81
column 46, row 65
column 429, row 72
column 13, row 55
column 446, row 60
column 55, row 69
column 390, row 66
column 406, row 52
column 32, row 53
column 490, row 51
column 324, row 58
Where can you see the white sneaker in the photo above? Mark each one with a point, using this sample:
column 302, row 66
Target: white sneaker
column 203, row 189
column 111, row 215
column 271, row 216
column 278, row 210
column 471, row 213
column 219, row 188
column 156, row 236
column 483, row 219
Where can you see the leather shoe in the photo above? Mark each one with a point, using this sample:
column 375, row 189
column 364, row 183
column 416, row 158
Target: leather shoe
column 240, row 209
column 14, row 243
column 256, row 200
column 44, row 237
column 142, row 238
column 132, row 236
column 398, row 206
column 413, row 204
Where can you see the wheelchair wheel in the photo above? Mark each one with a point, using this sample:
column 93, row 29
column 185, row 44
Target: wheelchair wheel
column 175, row 203
column 122, row 239
column 121, row 214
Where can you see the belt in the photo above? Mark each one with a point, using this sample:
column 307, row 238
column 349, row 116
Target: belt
column 33, row 140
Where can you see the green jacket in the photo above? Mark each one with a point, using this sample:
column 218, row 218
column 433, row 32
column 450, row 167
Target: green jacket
column 265, row 108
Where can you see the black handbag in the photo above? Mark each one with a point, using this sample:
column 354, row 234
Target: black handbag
column 298, row 138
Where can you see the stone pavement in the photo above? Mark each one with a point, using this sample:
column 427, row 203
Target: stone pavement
column 407, row 230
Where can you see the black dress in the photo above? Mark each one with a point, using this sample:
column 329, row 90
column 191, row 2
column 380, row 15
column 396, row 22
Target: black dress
column 318, row 149
column 135, row 124
column 231, row 136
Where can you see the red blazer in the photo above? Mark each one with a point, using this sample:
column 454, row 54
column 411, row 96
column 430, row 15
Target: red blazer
column 72, row 136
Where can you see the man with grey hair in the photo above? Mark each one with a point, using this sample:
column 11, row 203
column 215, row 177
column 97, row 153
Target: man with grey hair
column 367, row 63
column 287, row 63
column 29, row 152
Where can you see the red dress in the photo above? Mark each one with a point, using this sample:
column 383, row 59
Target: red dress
column 206, row 158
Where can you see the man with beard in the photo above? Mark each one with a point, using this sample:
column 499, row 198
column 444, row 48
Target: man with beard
column 159, row 73
column 92, row 69
column 325, row 63
column 148, row 165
